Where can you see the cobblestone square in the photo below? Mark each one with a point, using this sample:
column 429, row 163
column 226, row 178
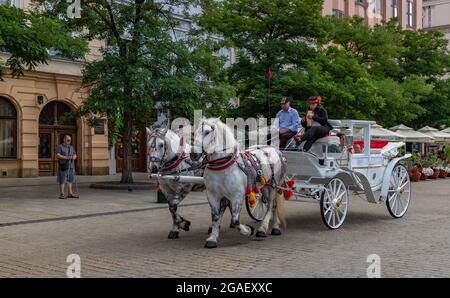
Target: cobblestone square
column 124, row 234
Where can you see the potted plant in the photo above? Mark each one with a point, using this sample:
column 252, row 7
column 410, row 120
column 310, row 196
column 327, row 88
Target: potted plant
column 414, row 167
column 447, row 157
column 427, row 172
column 434, row 165
column 442, row 168
column 447, row 170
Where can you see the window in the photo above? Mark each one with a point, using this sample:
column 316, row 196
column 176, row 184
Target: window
column 7, row 2
column 57, row 113
column 99, row 126
column 409, row 13
column 8, row 129
column 376, row 6
column 337, row 13
column 394, row 8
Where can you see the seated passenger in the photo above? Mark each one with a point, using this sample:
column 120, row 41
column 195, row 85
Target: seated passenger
column 357, row 149
column 287, row 122
column 315, row 123
column 342, row 140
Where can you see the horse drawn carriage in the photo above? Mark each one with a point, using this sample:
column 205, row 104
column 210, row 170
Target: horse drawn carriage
column 330, row 171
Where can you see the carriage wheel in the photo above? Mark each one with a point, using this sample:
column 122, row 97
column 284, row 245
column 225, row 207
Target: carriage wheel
column 259, row 210
column 399, row 193
column 334, row 203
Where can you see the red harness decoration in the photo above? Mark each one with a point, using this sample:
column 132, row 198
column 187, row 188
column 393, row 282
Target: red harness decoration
column 222, row 163
column 181, row 155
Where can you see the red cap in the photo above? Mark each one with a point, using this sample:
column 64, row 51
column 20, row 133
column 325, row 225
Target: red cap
column 314, row 99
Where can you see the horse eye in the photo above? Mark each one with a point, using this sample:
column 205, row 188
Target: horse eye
column 207, row 133
column 160, row 145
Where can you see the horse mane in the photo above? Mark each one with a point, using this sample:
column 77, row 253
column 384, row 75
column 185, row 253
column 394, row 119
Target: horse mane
column 224, row 133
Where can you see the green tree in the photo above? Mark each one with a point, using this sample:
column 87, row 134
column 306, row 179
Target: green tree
column 27, row 35
column 143, row 63
column 406, row 66
column 275, row 35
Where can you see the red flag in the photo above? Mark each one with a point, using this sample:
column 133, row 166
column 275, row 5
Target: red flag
column 269, row 74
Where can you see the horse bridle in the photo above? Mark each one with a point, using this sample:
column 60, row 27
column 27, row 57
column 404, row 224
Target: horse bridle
column 180, row 156
column 220, row 161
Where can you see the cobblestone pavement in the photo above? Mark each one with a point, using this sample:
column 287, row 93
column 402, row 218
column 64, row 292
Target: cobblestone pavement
column 121, row 234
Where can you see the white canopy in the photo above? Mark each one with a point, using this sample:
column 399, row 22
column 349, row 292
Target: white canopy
column 378, row 132
column 410, row 135
column 439, row 136
column 447, row 130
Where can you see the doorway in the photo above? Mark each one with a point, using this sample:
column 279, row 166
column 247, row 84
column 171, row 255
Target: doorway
column 54, row 123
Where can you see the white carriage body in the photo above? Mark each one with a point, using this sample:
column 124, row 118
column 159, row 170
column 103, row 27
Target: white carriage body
column 367, row 171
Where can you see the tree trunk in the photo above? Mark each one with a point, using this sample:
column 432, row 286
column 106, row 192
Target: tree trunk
column 127, row 169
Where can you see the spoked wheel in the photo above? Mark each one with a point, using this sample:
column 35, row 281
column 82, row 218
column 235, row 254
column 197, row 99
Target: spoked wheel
column 259, row 210
column 399, row 193
column 334, row 203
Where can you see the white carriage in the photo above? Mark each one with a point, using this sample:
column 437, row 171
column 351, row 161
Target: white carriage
column 328, row 173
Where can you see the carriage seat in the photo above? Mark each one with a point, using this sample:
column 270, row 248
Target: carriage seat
column 329, row 143
column 335, row 123
column 328, row 140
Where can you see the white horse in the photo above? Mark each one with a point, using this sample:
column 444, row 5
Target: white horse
column 227, row 184
column 168, row 153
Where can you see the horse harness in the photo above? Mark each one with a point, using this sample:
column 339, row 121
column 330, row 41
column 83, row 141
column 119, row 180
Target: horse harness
column 169, row 166
column 248, row 163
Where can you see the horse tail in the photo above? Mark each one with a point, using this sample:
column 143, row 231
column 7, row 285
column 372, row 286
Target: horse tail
column 279, row 207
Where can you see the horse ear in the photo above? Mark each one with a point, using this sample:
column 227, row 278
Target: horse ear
column 148, row 130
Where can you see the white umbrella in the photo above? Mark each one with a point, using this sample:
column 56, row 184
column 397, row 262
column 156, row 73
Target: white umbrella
column 410, row 135
column 447, row 130
column 377, row 131
column 439, row 136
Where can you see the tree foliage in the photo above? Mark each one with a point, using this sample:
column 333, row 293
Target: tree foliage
column 382, row 73
column 27, row 36
column 144, row 63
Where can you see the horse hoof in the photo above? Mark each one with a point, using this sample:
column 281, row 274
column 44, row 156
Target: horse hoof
column 210, row 244
column 187, row 225
column 173, row 235
column 232, row 226
column 252, row 230
column 209, row 230
column 276, row 232
column 261, row 234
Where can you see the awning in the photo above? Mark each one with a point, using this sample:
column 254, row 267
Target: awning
column 439, row 136
column 447, row 130
column 410, row 135
column 378, row 132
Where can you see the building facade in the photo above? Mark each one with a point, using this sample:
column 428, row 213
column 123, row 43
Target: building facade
column 32, row 121
column 436, row 16
column 408, row 12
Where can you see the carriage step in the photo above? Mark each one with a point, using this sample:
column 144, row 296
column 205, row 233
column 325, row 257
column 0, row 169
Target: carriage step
column 366, row 187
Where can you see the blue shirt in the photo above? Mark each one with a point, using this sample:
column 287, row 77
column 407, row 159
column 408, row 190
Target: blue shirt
column 289, row 119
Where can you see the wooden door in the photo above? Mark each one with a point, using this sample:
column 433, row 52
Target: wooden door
column 47, row 145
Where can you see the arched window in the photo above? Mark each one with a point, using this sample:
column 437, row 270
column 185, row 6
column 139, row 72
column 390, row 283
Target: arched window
column 56, row 113
column 8, row 129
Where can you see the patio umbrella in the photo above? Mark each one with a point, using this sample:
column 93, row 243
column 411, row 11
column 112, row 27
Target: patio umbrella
column 378, row 132
column 447, row 130
column 410, row 135
column 439, row 136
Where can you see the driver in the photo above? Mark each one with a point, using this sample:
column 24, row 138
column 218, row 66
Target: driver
column 315, row 123
column 288, row 122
